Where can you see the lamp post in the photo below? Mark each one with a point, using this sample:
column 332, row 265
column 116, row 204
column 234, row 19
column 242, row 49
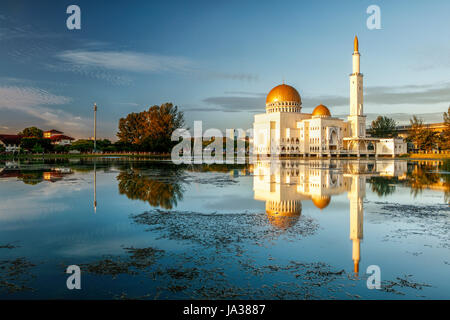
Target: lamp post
column 95, row 128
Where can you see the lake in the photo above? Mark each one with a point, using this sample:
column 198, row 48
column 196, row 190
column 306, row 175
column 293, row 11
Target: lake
column 291, row 229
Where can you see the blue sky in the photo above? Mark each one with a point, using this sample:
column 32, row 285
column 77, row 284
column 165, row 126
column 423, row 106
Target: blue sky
column 216, row 60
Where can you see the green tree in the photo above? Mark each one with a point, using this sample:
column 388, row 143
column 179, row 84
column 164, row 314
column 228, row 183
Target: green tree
column 32, row 132
column 383, row 127
column 427, row 140
column 37, row 148
column 444, row 142
column 103, row 144
column 83, row 145
column 29, row 144
column 2, row 148
column 123, row 146
column 415, row 131
column 151, row 130
column 61, row 149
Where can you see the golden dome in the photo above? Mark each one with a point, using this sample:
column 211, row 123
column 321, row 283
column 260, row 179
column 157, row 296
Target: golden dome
column 283, row 215
column 283, row 220
column 321, row 110
column 321, row 202
column 283, row 92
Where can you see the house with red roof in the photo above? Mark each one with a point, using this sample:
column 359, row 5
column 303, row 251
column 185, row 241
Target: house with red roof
column 61, row 139
column 58, row 137
column 51, row 133
column 11, row 142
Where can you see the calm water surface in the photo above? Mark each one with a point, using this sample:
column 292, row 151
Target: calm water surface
column 276, row 230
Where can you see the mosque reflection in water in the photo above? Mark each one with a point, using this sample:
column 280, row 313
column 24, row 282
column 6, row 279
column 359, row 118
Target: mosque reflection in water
column 284, row 185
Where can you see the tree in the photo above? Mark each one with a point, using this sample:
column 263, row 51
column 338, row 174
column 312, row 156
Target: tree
column 427, row 139
column 32, row 132
column 132, row 129
column 383, row 127
column 123, row 146
column 37, row 148
column 444, row 142
column 83, row 145
column 61, row 148
column 151, row 130
column 29, row 144
column 415, row 130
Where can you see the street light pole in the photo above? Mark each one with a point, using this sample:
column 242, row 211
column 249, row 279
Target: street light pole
column 95, row 128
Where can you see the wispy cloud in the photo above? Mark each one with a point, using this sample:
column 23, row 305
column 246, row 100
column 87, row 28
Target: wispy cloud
column 37, row 103
column 233, row 76
column 100, row 64
column 254, row 102
column 128, row 104
column 125, row 61
column 236, row 101
column 409, row 94
column 91, row 72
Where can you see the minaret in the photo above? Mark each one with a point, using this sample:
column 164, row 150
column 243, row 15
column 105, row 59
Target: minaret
column 357, row 117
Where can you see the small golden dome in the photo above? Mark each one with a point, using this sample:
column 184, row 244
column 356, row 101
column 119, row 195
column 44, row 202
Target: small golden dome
column 283, row 93
column 321, row 202
column 321, row 110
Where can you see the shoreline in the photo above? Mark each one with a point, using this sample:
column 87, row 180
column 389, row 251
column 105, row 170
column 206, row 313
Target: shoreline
column 442, row 156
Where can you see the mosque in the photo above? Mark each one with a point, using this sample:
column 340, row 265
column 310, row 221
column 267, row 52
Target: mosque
column 285, row 130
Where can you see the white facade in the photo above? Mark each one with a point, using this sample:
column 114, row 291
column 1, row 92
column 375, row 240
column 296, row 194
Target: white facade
column 285, row 130
column 10, row 147
column 391, row 147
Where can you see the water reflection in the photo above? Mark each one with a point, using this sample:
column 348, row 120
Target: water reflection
column 283, row 185
column 158, row 187
column 220, row 231
column 33, row 175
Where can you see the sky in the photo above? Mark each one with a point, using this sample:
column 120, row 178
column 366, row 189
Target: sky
column 216, row 60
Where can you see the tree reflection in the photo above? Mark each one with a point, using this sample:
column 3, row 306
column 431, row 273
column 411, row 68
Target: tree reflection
column 383, row 186
column 433, row 175
column 160, row 189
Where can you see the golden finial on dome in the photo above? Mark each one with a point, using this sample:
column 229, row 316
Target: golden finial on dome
column 355, row 44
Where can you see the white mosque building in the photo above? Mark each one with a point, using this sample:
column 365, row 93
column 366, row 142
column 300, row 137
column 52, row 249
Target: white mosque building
column 285, row 130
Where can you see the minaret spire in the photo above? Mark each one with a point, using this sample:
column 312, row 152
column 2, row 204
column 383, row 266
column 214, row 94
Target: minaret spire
column 356, row 118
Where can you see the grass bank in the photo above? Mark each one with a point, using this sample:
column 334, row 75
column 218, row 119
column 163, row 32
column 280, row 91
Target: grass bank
column 83, row 155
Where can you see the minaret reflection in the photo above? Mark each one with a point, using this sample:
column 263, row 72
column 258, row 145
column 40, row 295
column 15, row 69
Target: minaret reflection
column 356, row 196
column 284, row 184
column 95, row 187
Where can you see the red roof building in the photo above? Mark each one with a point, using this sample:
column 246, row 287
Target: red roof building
column 61, row 139
column 11, row 142
column 51, row 133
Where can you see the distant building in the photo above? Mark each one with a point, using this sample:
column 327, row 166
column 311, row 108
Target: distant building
column 403, row 131
column 58, row 137
column 51, row 133
column 61, row 140
column 11, row 142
